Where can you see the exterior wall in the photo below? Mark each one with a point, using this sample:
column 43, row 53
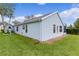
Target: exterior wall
column 33, row 30
column 43, row 30
column 47, row 27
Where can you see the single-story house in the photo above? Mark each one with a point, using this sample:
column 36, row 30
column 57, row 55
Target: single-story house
column 7, row 27
column 42, row 28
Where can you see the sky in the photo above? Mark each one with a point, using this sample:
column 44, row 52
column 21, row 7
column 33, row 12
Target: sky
column 67, row 11
column 39, row 8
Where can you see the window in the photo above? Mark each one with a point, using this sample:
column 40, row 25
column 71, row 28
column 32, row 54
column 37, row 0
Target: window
column 57, row 28
column 23, row 26
column 60, row 28
column 64, row 28
column 17, row 28
column 26, row 28
column 54, row 28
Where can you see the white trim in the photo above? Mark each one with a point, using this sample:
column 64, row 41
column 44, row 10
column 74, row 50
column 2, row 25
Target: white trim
column 50, row 15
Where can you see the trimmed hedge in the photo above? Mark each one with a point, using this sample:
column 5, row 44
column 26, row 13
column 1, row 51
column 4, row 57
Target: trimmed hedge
column 72, row 31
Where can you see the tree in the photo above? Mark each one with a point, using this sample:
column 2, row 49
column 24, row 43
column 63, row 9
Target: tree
column 2, row 12
column 10, row 11
column 76, row 23
column 5, row 23
column 6, row 10
column 70, row 26
column 16, row 22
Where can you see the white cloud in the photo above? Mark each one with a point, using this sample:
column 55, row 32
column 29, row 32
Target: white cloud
column 76, row 17
column 20, row 18
column 37, row 15
column 70, row 12
column 75, row 5
column 69, row 16
column 41, row 3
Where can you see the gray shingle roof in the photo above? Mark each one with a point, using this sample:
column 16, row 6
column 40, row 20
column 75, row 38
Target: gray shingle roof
column 35, row 19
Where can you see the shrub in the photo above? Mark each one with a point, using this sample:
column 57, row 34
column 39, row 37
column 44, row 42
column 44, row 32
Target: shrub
column 2, row 30
column 72, row 31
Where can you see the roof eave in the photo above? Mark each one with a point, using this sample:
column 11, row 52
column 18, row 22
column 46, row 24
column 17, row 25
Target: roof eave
column 29, row 22
column 49, row 15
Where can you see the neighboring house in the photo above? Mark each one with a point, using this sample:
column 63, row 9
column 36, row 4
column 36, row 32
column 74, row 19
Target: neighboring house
column 9, row 26
column 42, row 28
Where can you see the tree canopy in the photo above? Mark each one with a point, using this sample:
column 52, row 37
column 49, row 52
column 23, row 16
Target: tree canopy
column 6, row 9
column 16, row 22
column 76, row 23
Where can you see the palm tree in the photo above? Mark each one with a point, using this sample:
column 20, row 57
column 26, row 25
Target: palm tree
column 2, row 12
column 10, row 11
column 6, row 10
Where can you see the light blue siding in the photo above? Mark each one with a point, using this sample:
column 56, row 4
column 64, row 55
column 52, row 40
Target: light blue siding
column 47, row 27
column 33, row 30
column 43, row 30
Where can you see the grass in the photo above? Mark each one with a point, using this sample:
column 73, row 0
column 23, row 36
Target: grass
column 17, row 45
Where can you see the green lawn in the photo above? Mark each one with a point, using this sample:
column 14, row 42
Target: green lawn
column 16, row 45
